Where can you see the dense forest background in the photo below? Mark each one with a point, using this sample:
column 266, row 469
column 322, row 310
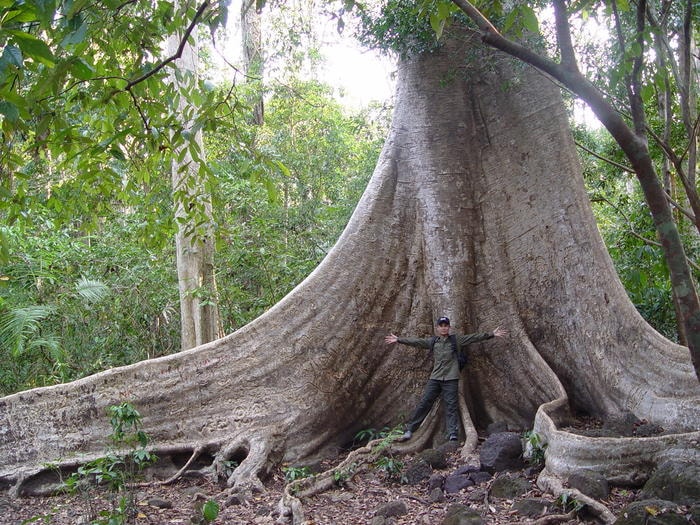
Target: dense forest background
column 87, row 257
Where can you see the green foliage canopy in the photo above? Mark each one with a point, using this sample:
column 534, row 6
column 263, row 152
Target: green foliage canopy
column 84, row 91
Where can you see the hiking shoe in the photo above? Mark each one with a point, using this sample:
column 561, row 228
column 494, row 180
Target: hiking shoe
column 454, row 438
column 407, row 435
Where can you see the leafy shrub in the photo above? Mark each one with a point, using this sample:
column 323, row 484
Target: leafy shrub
column 295, row 473
column 534, row 448
column 117, row 471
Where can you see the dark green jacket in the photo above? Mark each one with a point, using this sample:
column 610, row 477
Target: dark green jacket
column 445, row 366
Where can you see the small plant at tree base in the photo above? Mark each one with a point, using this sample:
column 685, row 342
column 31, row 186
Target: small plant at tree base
column 568, row 503
column 387, row 463
column 365, row 435
column 370, row 434
column 227, row 467
column 118, row 470
column 210, row 511
column 206, row 512
column 534, row 448
column 388, row 437
column 391, row 468
column 295, row 473
column 341, row 476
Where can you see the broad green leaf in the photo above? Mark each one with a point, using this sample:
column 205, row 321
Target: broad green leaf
column 4, row 249
column 273, row 193
column 648, row 91
column 11, row 55
column 33, row 47
column 21, row 14
column 635, row 49
column 438, row 24
column 9, row 110
column 81, row 69
column 511, row 17
column 117, row 154
column 73, row 7
column 75, row 37
column 210, row 510
column 529, row 19
column 284, row 169
column 45, row 10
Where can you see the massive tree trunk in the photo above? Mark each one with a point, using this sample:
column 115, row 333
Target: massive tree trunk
column 477, row 211
column 633, row 142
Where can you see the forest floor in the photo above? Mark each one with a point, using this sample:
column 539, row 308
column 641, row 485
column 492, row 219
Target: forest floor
column 354, row 503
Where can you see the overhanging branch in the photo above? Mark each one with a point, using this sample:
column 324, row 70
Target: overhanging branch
column 183, row 42
column 604, row 159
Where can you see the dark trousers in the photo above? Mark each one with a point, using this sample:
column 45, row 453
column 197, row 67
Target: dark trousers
column 449, row 398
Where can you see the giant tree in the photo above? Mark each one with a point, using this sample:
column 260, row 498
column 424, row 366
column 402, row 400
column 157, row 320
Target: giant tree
column 476, row 210
column 631, row 136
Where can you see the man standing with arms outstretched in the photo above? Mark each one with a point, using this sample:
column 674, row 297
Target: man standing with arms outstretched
column 444, row 377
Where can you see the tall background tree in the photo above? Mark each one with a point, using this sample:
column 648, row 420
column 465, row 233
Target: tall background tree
column 194, row 240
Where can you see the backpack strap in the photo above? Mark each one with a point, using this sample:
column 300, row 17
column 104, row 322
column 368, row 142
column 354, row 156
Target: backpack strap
column 453, row 342
column 460, row 356
column 432, row 342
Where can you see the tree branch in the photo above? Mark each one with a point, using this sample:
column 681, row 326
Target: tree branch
column 604, row 159
column 566, row 47
column 572, row 80
column 689, row 214
column 636, row 102
column 634, row 233
column 690, row 190
column 178, row 53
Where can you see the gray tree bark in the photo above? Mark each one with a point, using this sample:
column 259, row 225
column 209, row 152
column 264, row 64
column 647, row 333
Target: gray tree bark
column 194, row 240
column 253, row 60
column 477, row 211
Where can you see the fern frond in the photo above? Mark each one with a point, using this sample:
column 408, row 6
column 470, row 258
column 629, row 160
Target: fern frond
column 18, row 324
column 90, row 290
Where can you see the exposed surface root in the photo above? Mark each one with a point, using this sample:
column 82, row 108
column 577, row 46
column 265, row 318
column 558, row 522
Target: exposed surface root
column 193, row 457
column 625, row 461
column 555, row 518
column 554, row 486
column 246, row 476
column 471, row 439
column 622, row 461
column 290, row 505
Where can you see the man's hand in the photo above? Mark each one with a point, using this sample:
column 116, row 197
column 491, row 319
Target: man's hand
column 391, row 339
column 500, row 332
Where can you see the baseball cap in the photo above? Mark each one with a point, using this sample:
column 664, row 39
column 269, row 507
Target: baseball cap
column 443, row 320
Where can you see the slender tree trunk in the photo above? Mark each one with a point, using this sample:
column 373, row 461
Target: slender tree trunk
column 251, row 37
column 194, row 239
column 476, row 210
column 688, row 51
